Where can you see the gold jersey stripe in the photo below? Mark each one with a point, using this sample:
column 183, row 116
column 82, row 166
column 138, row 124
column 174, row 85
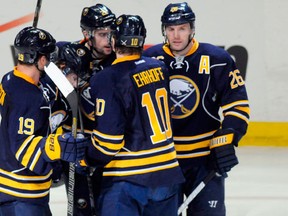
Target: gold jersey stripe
column 140, row 171
column 142, row 162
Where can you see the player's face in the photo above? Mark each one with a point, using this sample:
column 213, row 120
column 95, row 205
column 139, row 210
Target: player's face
column 73, row 79
column 178, row 36
column 101, row 42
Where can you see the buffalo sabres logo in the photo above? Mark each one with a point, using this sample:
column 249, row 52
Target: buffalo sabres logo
column 119, row 20
column 42, row 35
column 185, row 96
column 88, row 106
column 85, row 11
column 80, row 52
column 174, row 9
column 86, row 93
column 56, row 119
column 179, row 63
column 46, row 93
column 104, row 11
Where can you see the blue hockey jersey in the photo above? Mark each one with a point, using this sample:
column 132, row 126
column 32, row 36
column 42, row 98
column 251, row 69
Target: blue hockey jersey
column 132, row 136
column 26, row 114
column 86, row 105
column 203, row 83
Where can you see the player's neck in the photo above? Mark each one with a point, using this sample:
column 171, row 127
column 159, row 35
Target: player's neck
column 31, row 71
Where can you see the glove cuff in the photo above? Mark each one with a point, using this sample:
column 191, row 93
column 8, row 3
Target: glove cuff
column 222, row 137
column 221, row 140
column 52, row 147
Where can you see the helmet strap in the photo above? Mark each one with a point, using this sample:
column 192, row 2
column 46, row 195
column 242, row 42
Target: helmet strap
column 95, row 54
column 91, row 43
column 42, row 72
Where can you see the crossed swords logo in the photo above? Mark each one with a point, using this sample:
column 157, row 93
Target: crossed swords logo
column 179, row 103
column 181, row 90
column 124, row 43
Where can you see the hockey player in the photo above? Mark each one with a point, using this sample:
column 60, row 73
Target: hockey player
column 75, row 62
column 28, row 150
column 95, row 25
column 132, row 138
column 203, row 80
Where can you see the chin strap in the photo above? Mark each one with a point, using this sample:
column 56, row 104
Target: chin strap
column 95, row 52
column 42, row 72
column 92, row 48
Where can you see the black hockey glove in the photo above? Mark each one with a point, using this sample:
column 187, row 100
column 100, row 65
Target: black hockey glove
column 65, row 147
column 86, row 171
column 223, row 156
column 57, row 172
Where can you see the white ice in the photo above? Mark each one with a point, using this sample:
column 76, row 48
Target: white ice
column 258, row 186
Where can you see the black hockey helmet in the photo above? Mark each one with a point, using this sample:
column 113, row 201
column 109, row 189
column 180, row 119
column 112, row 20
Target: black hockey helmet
column 77, row 59
column 31, row 42
column 177, row 13
column 96, row 16
column 129, row 31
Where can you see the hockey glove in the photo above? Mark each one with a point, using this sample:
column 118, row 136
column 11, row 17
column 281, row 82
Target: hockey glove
column 65, row 147
column 86, row 171
column 223, row 156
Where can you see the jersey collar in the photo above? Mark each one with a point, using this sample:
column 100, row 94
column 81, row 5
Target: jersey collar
column 23, row 76
column 126, row 58
column 191, row 51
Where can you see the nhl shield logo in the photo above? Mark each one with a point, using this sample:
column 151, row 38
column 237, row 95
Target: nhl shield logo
column 185, row 96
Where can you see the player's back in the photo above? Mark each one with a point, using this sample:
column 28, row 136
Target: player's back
column 21, row 118
column 137, row 85
column 136, row 92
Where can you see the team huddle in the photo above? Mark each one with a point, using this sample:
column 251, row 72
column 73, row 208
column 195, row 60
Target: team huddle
column 151, row 124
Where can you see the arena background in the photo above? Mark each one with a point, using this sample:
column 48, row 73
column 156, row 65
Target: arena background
column 254, row 32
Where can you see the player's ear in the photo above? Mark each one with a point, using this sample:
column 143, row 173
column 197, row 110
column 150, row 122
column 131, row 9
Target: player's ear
column 85, row 34
column 42, row 61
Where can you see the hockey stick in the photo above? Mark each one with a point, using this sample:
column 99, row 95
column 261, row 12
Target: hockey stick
column 89, row 181
column 70, row 94
column 196, row 191
column 91, row 195
column 37, row 12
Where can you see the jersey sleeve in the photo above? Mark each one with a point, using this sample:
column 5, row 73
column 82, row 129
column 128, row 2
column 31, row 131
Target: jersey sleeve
column 25, row 144
column 108, row 132
column 233, row 97
column 26, row 125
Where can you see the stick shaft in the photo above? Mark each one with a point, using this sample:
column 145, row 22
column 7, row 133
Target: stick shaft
column 71, row 174
column 71, row 96
column 89, row 180
column 37, row 12
column 196, row 191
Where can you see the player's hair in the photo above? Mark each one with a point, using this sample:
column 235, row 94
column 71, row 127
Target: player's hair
column 31, row 43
